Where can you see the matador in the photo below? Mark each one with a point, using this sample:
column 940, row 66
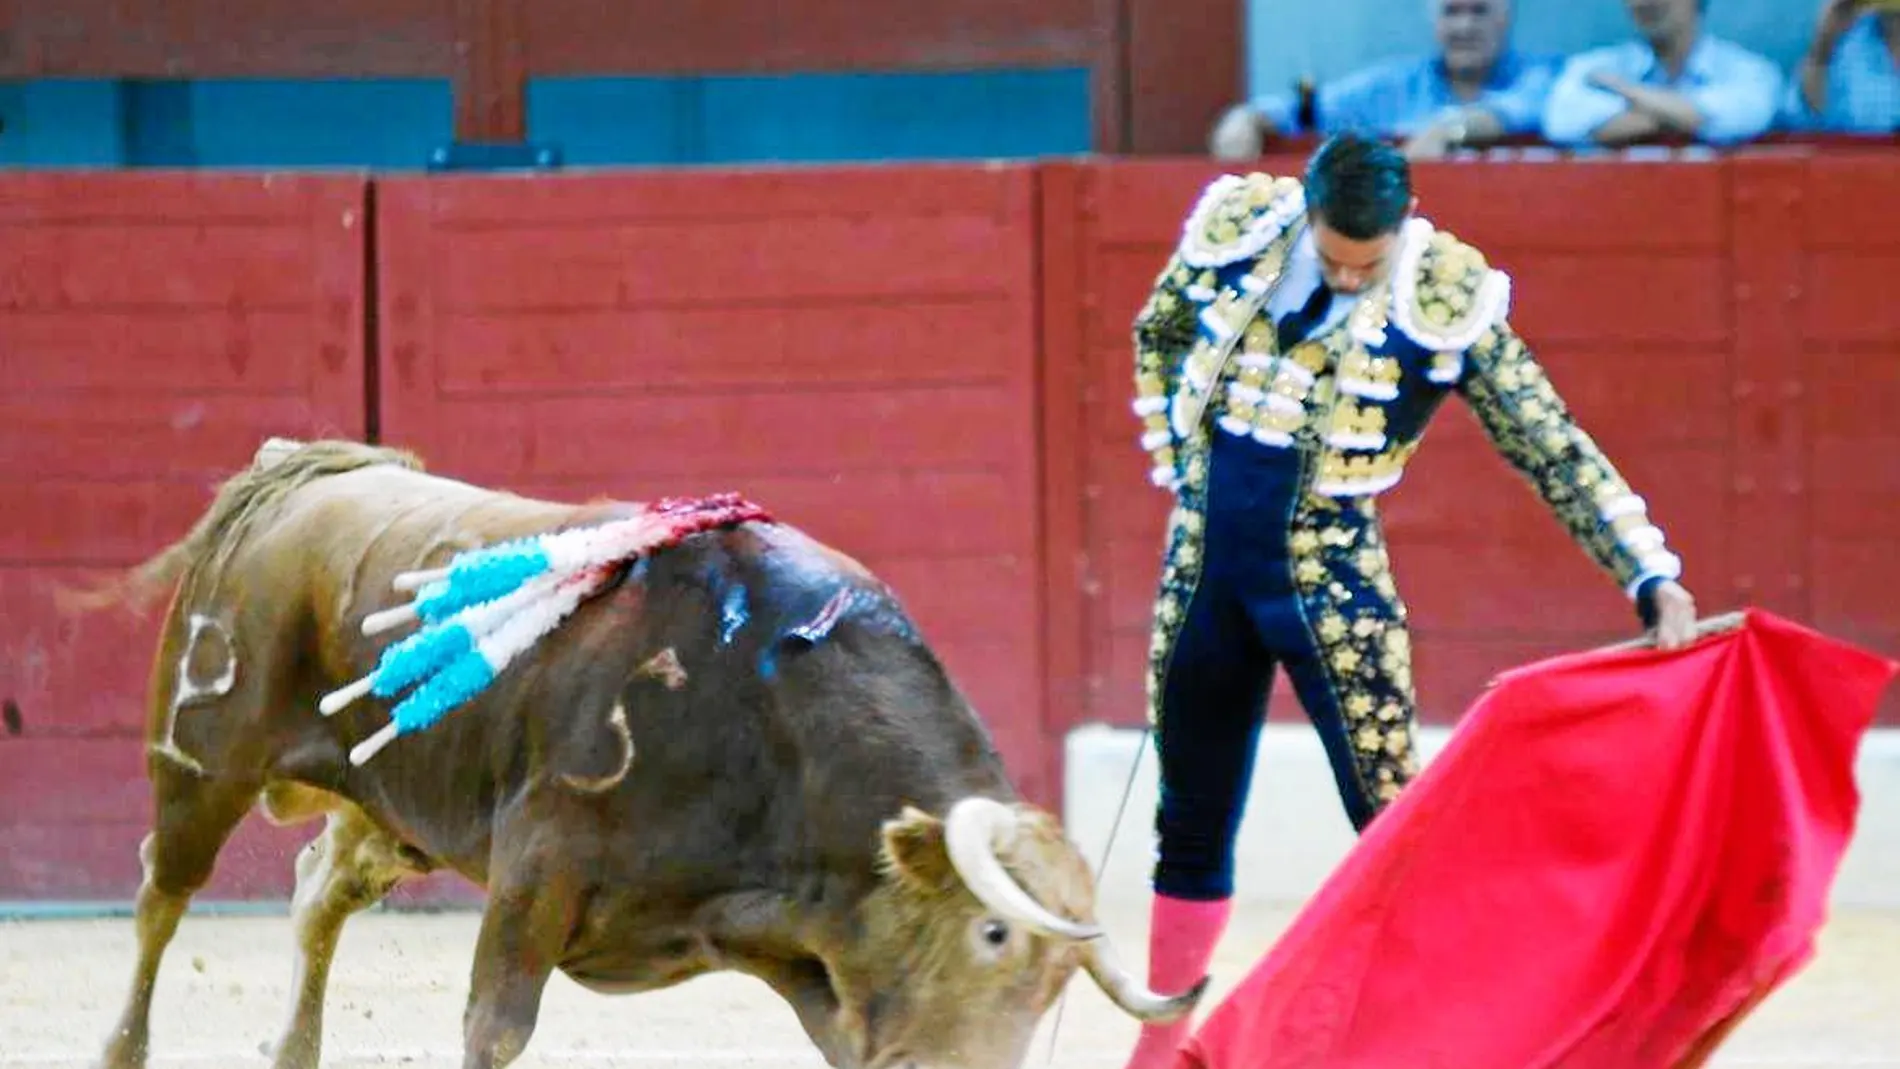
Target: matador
column 1287, row 361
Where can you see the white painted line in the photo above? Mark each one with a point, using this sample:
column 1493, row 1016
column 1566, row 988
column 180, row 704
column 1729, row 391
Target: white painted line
column 444, row 1055
column 773, row 1055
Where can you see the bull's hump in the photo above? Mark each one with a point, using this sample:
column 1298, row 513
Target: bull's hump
column 374, row 523
column 800, row 552
column 476, row 515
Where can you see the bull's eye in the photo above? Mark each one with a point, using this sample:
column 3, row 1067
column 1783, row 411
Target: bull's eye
column 990, row 938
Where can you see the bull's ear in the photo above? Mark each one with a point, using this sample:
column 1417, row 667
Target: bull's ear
column 915, row 853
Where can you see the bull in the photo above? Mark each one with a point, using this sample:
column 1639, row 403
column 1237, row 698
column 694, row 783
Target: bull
column 683, row 777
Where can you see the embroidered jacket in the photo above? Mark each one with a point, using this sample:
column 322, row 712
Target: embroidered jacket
column 1206, row 361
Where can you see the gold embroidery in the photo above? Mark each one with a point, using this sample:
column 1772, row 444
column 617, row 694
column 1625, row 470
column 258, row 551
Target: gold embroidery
column 1197, row 468
column 1279, row 421
column 1163, row 332
column 1529, row 425
column 1454, row 293
column 1445, row 366
column 1256, row 340
column 1236, row 215
column 1348, row 475
column 1366, row 646
column 1229, row 310
column 1360, row 420
column 1379, row 372
column 1310, row 355
column 1289, row 385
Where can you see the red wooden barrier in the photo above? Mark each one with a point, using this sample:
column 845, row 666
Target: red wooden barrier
column 1823, row 404
column 153, row 330
column 856, row 349
column 925, row 365
column 1720, row 327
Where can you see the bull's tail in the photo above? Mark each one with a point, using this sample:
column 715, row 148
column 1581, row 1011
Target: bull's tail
column 279, row 467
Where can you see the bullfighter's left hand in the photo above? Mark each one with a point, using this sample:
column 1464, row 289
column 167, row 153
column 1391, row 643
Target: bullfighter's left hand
column 1675, row 616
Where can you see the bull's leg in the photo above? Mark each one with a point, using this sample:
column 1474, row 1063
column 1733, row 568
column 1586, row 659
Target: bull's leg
column 524, row 930
column 195, row 816
column 353, row 865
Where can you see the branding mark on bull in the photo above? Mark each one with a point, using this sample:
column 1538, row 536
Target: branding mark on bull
column 207, row 670
column 664, row 666
column 617, row 720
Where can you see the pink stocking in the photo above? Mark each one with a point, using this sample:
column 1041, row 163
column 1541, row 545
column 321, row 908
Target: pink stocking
column 1181, row 941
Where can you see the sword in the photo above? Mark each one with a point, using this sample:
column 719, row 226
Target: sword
column 1101, row 869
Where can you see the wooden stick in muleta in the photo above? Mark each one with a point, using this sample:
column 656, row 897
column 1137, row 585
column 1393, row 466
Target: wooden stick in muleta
column 1707, row 627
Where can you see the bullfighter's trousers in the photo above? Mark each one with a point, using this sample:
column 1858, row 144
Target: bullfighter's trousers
column 1287, row 579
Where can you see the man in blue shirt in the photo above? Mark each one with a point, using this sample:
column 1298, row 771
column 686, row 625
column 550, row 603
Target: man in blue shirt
column 1475, row 90
column 1849, row 81
column 1677, row 80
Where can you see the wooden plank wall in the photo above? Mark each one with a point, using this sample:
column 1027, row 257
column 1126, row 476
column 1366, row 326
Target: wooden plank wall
column 1719, row 327
column 854, row 348
column 153, row 330
column 928, row 366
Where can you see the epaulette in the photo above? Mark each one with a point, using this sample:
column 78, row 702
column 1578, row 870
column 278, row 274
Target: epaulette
column 1444, row 294
column 1238, row 216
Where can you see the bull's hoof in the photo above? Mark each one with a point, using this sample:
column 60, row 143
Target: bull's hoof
column 124, row 1052
column 294, row 1052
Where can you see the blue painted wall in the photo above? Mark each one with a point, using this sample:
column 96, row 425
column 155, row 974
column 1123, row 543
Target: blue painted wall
column 62, row 124
column 812, row 117
column 395, row 124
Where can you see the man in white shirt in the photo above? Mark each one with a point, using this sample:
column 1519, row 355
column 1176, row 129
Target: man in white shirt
column 1678, row 80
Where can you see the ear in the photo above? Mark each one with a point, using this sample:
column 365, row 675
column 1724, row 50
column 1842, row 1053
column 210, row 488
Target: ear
column 914, row 852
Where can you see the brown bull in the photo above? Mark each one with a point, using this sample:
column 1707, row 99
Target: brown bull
column 667, row 784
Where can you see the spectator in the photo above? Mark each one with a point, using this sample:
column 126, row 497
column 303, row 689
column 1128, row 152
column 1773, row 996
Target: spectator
column 1849, row 81
column 1678, row 80
column 1473, row 91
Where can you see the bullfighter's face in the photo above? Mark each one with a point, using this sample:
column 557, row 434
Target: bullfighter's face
column 1352, row 265
column 980, row 922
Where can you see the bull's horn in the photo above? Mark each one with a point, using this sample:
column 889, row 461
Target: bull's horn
column 1130, row 994
column 971, row 831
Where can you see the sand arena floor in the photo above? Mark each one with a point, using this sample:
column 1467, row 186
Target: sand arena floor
column 397, row 992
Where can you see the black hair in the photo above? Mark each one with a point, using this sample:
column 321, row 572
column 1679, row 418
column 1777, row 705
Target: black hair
column 1359, row 185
